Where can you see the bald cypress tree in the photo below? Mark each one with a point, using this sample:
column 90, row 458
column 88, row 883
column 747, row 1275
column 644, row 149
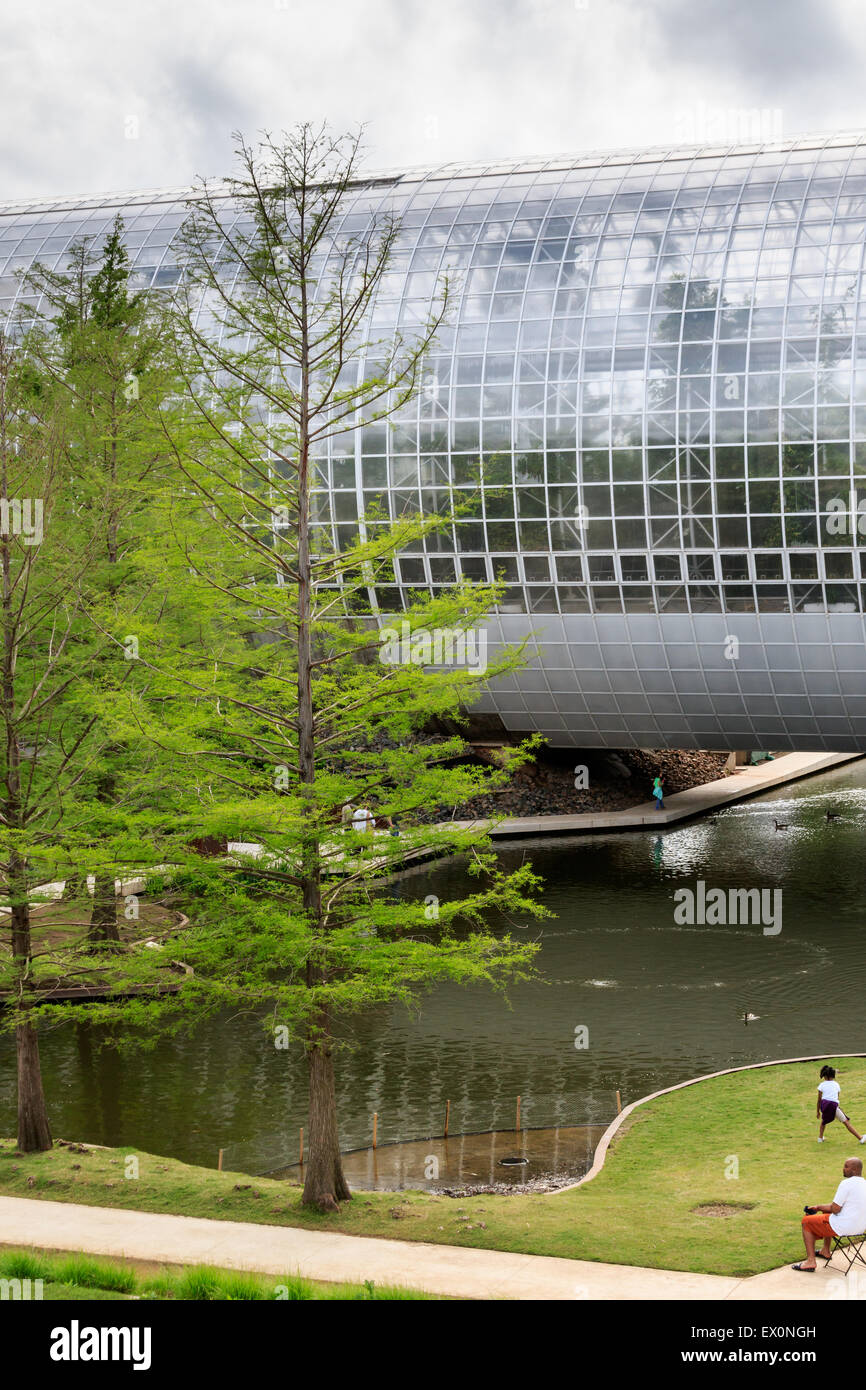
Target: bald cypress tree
column 101, row 346
column 304, row 705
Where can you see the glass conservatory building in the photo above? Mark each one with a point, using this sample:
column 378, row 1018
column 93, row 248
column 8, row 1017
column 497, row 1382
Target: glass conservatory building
column 654, row 366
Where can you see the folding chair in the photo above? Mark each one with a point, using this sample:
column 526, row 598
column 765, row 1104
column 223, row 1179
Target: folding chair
column 851, row 1248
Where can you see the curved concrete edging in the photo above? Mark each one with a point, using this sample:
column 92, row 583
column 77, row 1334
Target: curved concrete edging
column 605, row 1140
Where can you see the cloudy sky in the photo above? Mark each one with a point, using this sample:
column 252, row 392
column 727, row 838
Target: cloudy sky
column 99, row 95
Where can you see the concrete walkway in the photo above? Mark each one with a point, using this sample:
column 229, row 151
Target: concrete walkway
column 790, row 767
column 337, row 1258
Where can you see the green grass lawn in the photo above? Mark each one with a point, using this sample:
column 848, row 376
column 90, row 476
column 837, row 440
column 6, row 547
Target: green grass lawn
column 71, row 1293
column 671, row 1157
column 83, row 1278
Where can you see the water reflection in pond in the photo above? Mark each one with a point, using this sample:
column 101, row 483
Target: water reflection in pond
column 660, row 1002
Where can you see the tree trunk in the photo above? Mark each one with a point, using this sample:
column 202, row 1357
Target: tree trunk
column 103, row 917
column 34, row 1134
column 324, row 1184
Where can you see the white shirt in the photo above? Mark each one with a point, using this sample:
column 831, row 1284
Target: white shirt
column 830, row 1091
column 851, row 1197
column 362, row 819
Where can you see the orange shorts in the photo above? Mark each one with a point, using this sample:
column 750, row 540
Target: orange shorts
column 819, row 1225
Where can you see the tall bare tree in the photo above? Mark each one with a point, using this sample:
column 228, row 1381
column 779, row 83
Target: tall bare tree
column 281, row 363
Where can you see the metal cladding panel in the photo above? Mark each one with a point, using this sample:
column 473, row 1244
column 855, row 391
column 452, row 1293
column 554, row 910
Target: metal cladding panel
column 806, row 691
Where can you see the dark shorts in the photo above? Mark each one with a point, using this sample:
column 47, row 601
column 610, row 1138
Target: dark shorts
column 832, row 1110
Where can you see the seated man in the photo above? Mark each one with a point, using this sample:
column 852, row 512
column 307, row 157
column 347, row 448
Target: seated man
column 844, row 1216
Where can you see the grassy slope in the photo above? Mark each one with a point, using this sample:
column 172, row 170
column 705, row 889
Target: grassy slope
column 671, row 1158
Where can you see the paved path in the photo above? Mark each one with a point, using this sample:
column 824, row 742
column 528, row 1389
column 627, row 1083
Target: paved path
column 338, row 1258
column 790, row 767
column 696, row 801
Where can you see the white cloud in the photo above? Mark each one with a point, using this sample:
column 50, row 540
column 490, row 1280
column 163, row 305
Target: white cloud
column 100, row 96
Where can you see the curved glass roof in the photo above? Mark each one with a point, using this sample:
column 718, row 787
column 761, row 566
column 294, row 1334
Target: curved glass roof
column 658, row 356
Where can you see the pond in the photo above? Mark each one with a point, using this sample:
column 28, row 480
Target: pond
column 654, row 1001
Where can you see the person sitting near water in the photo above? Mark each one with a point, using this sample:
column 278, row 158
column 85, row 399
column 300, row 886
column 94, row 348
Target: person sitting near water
column 829, row 1108
column 844, row 1216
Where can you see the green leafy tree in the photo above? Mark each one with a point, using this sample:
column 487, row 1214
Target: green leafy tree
column 101, row 347
column 291, row 704
column 49, row 740
column 82, row 400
